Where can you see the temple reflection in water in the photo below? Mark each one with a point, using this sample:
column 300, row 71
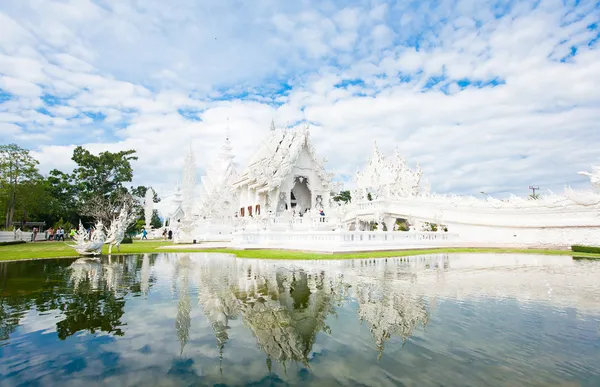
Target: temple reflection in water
column 285, row 305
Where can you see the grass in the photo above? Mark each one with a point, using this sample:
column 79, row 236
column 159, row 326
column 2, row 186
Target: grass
column 61, row 250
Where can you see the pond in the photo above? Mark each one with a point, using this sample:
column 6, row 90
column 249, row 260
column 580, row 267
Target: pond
column 211, row 319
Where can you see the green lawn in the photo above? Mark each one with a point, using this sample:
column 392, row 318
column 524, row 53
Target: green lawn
column 60, row 249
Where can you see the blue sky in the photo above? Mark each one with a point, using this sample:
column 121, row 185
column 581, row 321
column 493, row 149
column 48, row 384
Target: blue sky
column 486, row 95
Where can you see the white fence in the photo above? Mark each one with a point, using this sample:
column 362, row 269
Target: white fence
column 9, row 236
column 331, row 239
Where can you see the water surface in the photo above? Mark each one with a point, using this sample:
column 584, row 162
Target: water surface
column 210, row 319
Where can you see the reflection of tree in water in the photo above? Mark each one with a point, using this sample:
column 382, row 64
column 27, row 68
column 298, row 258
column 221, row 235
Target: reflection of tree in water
column 89, row 294
column 92, row 310
column 26, row 285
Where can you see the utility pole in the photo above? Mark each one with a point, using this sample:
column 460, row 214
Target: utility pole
column 531, row 187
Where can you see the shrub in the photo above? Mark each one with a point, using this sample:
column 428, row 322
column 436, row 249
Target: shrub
column 126, row 240
column 586, row 249
column 11, row 243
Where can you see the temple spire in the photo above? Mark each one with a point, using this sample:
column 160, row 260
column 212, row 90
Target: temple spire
column 227, row 131
column 272, row 125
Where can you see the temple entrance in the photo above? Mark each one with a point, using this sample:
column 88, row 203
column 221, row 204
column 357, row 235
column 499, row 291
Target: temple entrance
column 300, row 195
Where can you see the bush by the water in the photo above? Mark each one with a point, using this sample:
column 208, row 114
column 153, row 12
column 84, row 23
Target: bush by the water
column 126, row 240
column 586, row 249
column 11, row 243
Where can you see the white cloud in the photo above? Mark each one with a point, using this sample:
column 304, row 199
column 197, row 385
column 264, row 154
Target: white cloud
column 116, row 75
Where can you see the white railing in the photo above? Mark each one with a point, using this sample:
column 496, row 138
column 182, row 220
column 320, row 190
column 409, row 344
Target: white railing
column 9, row 236
column 341, row 238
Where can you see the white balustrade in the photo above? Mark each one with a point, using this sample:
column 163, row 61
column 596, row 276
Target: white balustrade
column 8, row 236
column 341, row 238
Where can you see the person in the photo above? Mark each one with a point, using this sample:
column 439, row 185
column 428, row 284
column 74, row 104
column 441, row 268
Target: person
column 51, row 234
column 144, row 234
column 170, row 234
column 34, row 234
column 72, row 233
column 164, row 234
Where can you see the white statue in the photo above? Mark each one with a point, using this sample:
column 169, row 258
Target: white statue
column 117, row 229
column 281, row 205
column 594, row 177
column 319, row 203
column 92, row 244
column 148, row 208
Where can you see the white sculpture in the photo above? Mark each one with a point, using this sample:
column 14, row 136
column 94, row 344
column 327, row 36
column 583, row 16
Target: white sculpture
column 594, row 177
column 182, row 230
column 148, row 208
column 89, row 244
column 118, row 226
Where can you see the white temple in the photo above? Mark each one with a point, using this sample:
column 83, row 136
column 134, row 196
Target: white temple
column 283, row 199
column 284, row 175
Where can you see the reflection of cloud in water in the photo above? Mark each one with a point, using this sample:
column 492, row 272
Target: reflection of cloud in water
column 310, row 312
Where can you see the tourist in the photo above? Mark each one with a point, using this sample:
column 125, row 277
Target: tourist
column 50, row 234
column 164, row 234
column 170, row 234
column 72, row 233
column 144, row 234
column 34, row 234
column 61, row 235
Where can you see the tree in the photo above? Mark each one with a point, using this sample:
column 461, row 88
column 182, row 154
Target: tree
column 63, row 196
column 16, row 166
column 103, row 174
column 106, row 208
column 99, row 183
column 155, row 222
column 343, row 196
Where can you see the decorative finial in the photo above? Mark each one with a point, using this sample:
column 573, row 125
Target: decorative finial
column 227, row 131
column 272, row 124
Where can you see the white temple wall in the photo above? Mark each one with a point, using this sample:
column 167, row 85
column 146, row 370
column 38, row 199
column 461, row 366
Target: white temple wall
column 526, row 236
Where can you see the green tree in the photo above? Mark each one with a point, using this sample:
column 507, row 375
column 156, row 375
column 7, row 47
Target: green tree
column 155, row 222
column 103, row 174
column 343, row 196
column 16, row 166
column 99, row 180
column 63, row 192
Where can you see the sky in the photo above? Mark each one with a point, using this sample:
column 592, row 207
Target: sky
column 489, row 96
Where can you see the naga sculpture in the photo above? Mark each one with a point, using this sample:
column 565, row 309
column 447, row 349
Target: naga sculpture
column 594, row 177
column 116, row 232
column 89, row 244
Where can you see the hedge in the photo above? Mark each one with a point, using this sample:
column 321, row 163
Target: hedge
column 11, row 243
column 586, row 249
column 126, row 240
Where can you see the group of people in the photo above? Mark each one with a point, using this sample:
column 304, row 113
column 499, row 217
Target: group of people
column 58, row 234
column 167, row 234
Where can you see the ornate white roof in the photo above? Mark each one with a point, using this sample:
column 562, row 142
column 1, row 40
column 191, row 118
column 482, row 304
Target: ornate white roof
column 276, row 157
column 393, row 173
